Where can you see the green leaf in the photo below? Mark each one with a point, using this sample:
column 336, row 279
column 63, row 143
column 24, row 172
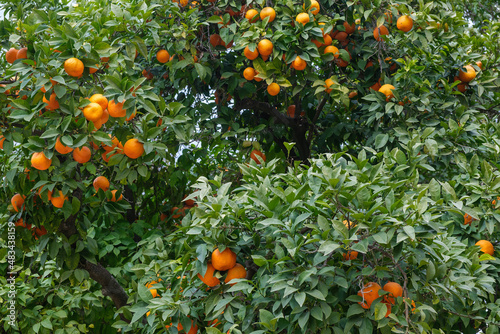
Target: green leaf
column 380, row 311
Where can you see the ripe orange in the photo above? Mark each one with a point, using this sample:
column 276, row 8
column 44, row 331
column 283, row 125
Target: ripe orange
column 328, row 83
column 209, row 278
column 350, row 255
column 486, row 247
column 369, row 293
column 101, row 100
column 332, row 49
column 2, row 139
column 52, row 103
column 395, row 290
column 328, row 39
column 251, row 55
column 61, row 148
column 389, row 307
column 405, row 23
column 40, row 231
column 387, row 91
column 17, row 202
column 147, row 74
column 314, row 8
column 40, row 161
column 194, row 327
column 265, row 47
column 133, row 148
column 223, row 261
column 353, row 94
column 22, row 53
column 163, row 56
column 58, row 201
column 74, row 67
column 92, row 70
column 299, row 64
column 113, row 197
column 176, row 212
column 268, row 12
column 116, row 109
column 101, row 182
column 93, row 112
column 238, row 271
column 154, row 292
column 249, row 73
column 252, row 15
column 131, row 117
column 468, row 219
column 11, row 55
column 302, row 18
column 349, row 28
column 380, row 31
column 115, row 143
column 340, row 36
column 479, row 64
column 468, row 75
column 273, row 89
column 82, row 154
column 255, row 153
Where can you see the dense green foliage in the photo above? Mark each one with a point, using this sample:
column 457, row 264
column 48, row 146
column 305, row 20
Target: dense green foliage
column 351, row 169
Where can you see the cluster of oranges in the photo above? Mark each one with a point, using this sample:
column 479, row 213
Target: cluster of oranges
column 370, row 292
column 180, row 212
column 223, row 261
column 35, row 231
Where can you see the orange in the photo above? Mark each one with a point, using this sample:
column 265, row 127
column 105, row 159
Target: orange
column 2, row 139
column 176, row 212
column 273, row 89
column 265, row 47
column 61, row 148
column 92, row 70
column 340, row 36
column 40, row 161
column 468, row 219
column 82, row 155
column 251, row 55
column 405, row 23
column 58, row 201
column 93, row 112
column 332, row 49
column 349, row 28
column 163, row 56
column 395, row 290
column 101, row 182
column 11, row 55
column 113, row 197
column 133, row 148
column 154, row 292
column 22, row 53
column 238, row 271
column 249, row 73
column 468, row 75
column 350, row 255
column 302, row 18
column 389, row 307
column 116, row 109
column 40, row 231
column 314, row 8
column 147, row 74
column 369, row 293
column 479, row 64
column 255, row 153
column 376, row 86
column 223, row 260
column 17, row 201
column 74, row 67
column 380, row 31
column 209, row 278
column 101, row 100
column 268, row 12
column 349, row 224
column 194, row 328
column 353, row 95
column 52, row 103
column 299, row 64
column 387, row 91
column 103, row 120
column 115, row 143
column 328, row 83
column 252, row 15
column 328, row 39
column 131, row 117
column 486, row 247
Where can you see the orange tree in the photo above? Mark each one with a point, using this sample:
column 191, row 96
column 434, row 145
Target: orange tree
column 250, row 167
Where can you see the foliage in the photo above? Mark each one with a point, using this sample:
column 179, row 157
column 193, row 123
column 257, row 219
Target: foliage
column 349, row 170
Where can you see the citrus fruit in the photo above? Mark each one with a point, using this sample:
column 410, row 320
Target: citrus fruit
column 265, row 47
column 395, row 290
column 52, row 103
column 11, row 55
column 380, row 31
column 255, row 153
column 208, row 278
column 268, row 12
column 249, row 73
column 251, row 55
column 58, row 201
column 468, row 75
column 101, row 182
column 369, row 293
column 238, row 271
column 116, row 109
column 82, row 154
column 486, row 246
column 387, row 91
column 61, row 148
column 273, row 89
column 223, row 260
column 74, row 67
column 40, row 161
column 101, row 100
column 302, row 18
column 252, row 15
column 133, row 148
column 93, row 112
column 17, row 202
column 405, row 23
column 329, row 82
column 163, row 56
